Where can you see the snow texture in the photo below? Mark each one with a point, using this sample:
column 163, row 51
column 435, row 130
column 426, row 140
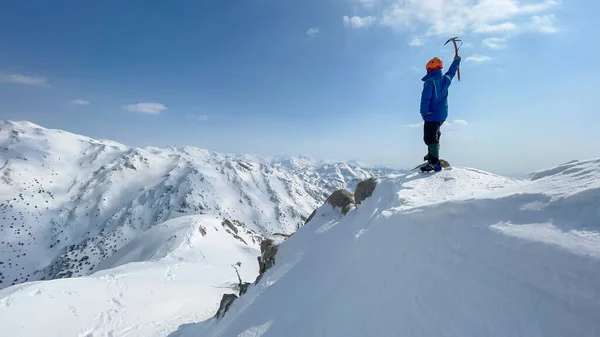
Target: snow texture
column 68, row 203
column 185, row 267
column 456, row 253
column 154, row 234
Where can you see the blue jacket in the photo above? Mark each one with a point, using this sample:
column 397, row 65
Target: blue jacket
column 434, row 98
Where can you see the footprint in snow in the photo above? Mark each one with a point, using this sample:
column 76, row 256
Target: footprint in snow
column 169, row 274
column 5, row 302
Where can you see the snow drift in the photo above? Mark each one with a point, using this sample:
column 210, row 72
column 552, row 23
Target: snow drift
column 457, row 253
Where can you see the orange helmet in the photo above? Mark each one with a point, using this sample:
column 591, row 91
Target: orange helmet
column 434, row 64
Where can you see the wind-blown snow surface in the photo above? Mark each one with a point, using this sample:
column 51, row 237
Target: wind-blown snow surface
column 457, row 253
column 186, row 268
column 69, row 202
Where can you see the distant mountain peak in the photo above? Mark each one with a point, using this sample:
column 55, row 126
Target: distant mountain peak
column 68, row 197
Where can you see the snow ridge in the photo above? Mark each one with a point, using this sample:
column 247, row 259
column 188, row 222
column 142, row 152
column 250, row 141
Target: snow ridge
column 69, row 202
column 456, row 253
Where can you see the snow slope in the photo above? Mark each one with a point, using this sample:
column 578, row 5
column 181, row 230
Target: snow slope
column 457, row 253
column 69, row 202
column 185, row 266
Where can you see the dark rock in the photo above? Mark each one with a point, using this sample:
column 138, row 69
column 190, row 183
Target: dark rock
column 266, row 260
column 244, row 287
column 240, row 239
column 202, row 230
column 342, row 199
column 282, row 235
column 310, row 217
column 226, row 223
column 364, row 189
column 247, row 166
column 226, row 302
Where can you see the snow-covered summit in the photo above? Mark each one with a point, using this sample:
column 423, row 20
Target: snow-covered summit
column 69, row 202
column 457, row 253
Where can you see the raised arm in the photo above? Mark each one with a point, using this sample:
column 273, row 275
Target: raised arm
column 453, row 67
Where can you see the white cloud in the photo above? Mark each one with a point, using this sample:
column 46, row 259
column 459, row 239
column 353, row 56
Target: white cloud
column 368, row 3
column 198, row 117
column 495, row 28
column 457, row 17
column 414, row 126
column 23, row 79
column 544, row 23
column 146, row 108
column 413, row 68
column 461, row 122
column 494, row 42
column 359, row 22
column 416, row 42
column 478, row 58
column 79, row 102
column 313, row 32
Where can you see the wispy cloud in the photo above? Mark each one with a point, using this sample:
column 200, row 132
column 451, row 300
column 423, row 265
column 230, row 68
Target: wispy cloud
column 455, row 17
column 79, row 102
column 416, row 42
column 24, row 79
column 495, row 28
column 460, row 122
column 414, row 126
column 494, row 42
column 359, row 22
column 197, row 117
column 313, row 32
column 544, row 23
column 368, row 3
column 477, row 58
column 146, row 108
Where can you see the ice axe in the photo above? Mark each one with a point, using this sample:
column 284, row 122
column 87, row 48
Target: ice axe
column 454, row 39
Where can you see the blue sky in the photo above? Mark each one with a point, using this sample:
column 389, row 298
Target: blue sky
column 337, row 79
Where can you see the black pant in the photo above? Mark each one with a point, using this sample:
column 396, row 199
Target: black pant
column 431, row 137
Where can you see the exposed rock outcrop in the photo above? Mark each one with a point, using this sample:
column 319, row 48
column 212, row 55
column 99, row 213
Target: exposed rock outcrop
column 268, row 248
column 228, row 224
column 342, row 199
column 244, row 287
column 266, row 260
column 226, row 302
column 364, row 189
column 311, row 216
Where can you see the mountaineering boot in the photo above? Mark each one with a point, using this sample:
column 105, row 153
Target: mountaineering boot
column 428, row 167
column 437, row 167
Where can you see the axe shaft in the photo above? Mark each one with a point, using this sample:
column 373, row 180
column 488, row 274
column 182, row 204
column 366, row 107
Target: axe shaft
column 456, row 54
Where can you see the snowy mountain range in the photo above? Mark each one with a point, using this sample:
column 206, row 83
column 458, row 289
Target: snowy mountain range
column 69, row 203
column 158, row 237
